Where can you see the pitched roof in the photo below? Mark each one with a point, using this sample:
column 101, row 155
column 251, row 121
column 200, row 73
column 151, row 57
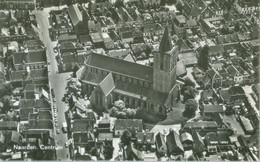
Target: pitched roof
column 40, row 124
column 75, row 14
column 246, row 123
column 232, row 70
column 152, row 27
column 188, row 58
column 166, row 42
column 107, row 84
column 34, row 73
column 82, row 125
column 145, row 138
column 181, row 69
column 200, row 124
column 173, row 141
column 131, row 124
column 160, row 139
column 82, row 138
column 16, row 137
column 105, row 136
column 121, row 66
column 8, row 124
column 30, row 57
column 24, row 113
column 155, row 96
column 38, row 103
column 197, row 139
column 213, row 109
column 216, row 137
column 126, row 35
column 185, row 136
column 118, row 53
column 216, row 49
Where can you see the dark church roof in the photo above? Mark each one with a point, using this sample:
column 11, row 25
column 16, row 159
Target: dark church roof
column 121, row 66
column 166, row 42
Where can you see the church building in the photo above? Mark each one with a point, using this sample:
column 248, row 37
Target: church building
column 108, row 79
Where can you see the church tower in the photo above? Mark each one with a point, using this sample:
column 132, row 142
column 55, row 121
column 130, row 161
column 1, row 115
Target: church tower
column 164, row 68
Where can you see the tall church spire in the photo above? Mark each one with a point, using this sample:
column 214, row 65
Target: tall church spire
column 166, row 42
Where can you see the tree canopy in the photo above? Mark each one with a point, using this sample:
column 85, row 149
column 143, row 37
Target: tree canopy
column 126, row 137
column 190, row 108
column 203, row 59
column 6, row 89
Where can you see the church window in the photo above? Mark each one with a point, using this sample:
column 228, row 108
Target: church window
column 145, row 104
column 141, row 83
column 130, row 80
column 160, row 109
column 135, row 81
column 152, row 107
column 161, row 66
column 139, row 103
column 123, row 78
column 117, row 77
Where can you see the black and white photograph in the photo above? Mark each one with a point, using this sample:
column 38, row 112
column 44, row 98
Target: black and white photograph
column 129, row 80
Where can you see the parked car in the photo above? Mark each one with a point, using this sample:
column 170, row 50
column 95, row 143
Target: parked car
column 66, row 144
column 58, row 131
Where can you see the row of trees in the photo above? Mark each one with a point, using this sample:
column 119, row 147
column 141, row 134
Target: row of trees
column 189, row 93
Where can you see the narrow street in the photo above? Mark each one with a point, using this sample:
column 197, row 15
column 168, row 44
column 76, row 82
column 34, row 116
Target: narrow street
column 56, row 81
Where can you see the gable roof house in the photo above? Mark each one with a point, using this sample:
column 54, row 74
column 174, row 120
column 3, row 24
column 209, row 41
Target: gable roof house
column 33, row 59
column 186, row 140
column 174, row 145
column 8, row 126
column 145, row 139
column 232, row 94
column 154, row 29
column 209, row 110
column 79, row 19
column 212, row 79
column 198, row 145
column 160, row 143
column 200, row 126
column 133, row 125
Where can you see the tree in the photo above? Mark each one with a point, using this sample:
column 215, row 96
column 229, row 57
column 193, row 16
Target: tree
column 121, row 115
column 190, row 108
column 68, row 2
column 237, row 27
column 203, row 60
column 130, row 113
column 113, row 112
column 75, row 69
column 189, row 92
column 120, row 104
column 126, row 137
column 119, row 3
column 171, row 2
column 163, row 2
column 6, row 89
column 255, row 61
column 108, row 151
column 7, row 103
column 188, row 82
column 179, row 7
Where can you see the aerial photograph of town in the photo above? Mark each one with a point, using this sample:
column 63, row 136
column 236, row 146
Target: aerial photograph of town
column 129, row 80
